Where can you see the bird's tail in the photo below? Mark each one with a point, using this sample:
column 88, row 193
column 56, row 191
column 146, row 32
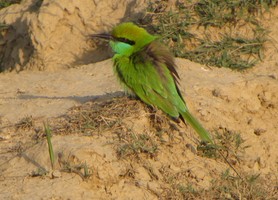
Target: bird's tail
column 203, row 133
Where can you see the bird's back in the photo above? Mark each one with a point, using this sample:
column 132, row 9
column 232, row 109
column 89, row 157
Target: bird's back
column 150, row 73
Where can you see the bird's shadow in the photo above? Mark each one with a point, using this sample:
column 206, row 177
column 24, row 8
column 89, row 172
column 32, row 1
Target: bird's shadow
column 79, row 99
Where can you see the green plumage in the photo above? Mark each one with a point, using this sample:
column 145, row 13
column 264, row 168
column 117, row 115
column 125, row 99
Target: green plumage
column 147, row 68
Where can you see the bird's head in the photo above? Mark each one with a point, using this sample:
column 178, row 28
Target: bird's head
column 127, row 38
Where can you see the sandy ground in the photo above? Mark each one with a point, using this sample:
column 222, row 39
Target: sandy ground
column 245, row 103
column 241, row 103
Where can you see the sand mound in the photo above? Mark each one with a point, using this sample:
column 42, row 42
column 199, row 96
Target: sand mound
column 50, row 35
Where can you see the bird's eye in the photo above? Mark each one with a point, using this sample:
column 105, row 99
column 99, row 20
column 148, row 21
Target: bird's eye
column 125, row 40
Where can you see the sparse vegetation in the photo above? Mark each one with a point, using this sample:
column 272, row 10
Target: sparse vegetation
column 69, row 165
column 3, row 31
column 105, row 116
column 215, row 33
column 224, row 187
column 252, row 187
column 39, row 172
column 134, row 144
column 228, row 142
column 112, row 115
column 6, row 3
column 25, row 123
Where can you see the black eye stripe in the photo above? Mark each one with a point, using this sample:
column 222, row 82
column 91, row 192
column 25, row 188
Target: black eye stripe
column 125, row 40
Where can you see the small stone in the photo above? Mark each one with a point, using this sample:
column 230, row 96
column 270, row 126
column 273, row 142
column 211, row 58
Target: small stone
column 191, row 148
column 216, row 92
column 56, row 174
column 273, row 76
column 259, row 131
column 154, row 187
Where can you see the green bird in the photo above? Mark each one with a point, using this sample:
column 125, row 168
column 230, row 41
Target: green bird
column 147, row 68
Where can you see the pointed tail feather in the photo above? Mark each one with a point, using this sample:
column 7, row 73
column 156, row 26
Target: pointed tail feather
column 205, row 136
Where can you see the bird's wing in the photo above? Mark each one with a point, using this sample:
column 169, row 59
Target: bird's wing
column 147, row 74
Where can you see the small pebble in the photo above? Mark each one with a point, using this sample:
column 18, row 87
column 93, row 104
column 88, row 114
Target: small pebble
column 56, row 174
column 259, row 131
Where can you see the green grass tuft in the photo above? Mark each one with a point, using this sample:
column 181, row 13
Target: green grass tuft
column 6, row 3
column 50, row 147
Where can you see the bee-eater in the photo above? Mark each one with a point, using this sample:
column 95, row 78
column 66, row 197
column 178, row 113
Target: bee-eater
column 147, row 68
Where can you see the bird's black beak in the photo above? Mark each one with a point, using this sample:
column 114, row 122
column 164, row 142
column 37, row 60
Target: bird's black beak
column 105, row 36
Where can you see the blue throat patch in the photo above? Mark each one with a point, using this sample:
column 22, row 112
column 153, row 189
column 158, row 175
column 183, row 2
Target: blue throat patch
column 121, row 48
